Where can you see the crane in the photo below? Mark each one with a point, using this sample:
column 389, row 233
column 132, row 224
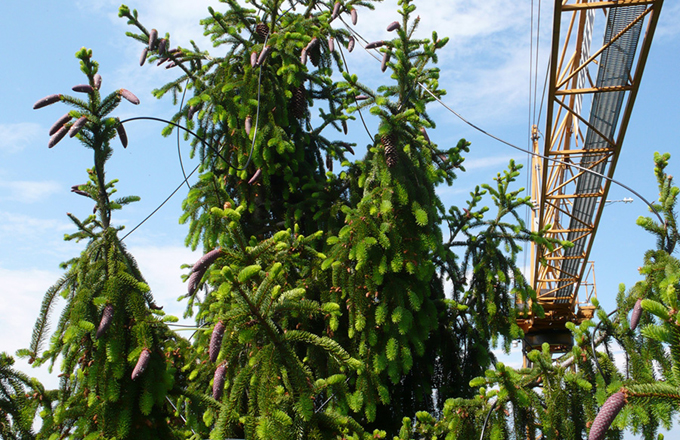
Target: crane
column 591, row 91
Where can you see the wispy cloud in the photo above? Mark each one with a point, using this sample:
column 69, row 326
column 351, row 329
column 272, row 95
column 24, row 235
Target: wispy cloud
column 27, row 191
column 487, row 162
column 15, row 137
column 21, row 224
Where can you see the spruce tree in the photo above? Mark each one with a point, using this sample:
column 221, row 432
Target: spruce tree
column 377, row 326
column 115, row 351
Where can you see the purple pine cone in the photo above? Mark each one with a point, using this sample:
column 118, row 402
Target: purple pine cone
column 344, row 126
column 77, row 126
column 606, row 416
column 129, row 96
column 312, row 44
column 122, row 135
column 348, row 147
column 80, row 193
column 60, row 123
column 248, row 125
column 153, row 37
column 107, row 316
column 142, row 57
column 97, row 81
column 303, row 57
column 353, row 14
column 331, row 44
column 253, row 59
column 336, row 10
column 162, row 45
column 142, row 363
column 216, row 341
column 218, row 381
column 424, row 132
column 350, row 44
column 263, row 54
column 194, row 280
column 393, row 26
column 255, row 177
column 637, row 312
column 375, row 44
column 385, row 60
column 207, row 260
column 47, row 100
column 56, row 137
column 83, row 88
column 361, row 97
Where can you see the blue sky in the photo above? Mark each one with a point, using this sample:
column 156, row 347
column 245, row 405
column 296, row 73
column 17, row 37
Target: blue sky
column 485, row 69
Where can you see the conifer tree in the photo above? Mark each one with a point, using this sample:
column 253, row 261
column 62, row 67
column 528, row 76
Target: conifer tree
column 111, row 340
column 378, row 224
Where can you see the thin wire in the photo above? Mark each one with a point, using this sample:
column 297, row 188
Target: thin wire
column 542, row 156
column 180, row 414
column 538, row 41
column 486, row 419
column 161, row 205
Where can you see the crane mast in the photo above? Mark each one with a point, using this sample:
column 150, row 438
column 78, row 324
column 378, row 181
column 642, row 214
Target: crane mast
column 591, row 93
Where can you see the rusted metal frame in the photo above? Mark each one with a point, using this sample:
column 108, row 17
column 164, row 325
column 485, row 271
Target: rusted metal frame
column 604, row 47
column 625, row 118
column 565, row 231
column 604, row 5
column 597, row 132
column 593, row 90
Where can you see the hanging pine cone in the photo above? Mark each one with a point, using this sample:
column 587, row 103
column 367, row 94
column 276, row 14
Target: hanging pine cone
column 262, row 30
column 329, row 162
column 298, row 104
column 389, row 142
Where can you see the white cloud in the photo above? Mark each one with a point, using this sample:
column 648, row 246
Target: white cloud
column 160, row 266
column 20, row 224
column 23, row 291
column 15, row 137
column 27, row 191
column 487, row 162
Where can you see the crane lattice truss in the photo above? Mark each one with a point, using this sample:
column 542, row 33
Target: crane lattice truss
column 591, row 92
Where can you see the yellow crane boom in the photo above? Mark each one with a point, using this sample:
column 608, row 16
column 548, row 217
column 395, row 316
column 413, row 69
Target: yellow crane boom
column 591, row 93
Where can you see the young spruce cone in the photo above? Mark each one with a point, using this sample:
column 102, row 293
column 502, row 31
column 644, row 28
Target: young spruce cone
column 107, row 319
column 255, row 176
column 83, row 88
column 353, row 14
column 60, row 123
column 216, row 341
column 350, row 44
column 298, row 104
column 153, row 38
column 389, row 142
column 77, row 126
column 129, row 96
column 193, row 282
column 142, row 363
column 56, row 137
column 47, row 100
column 206, row 260
column 97, row 81
column 262, row 30
column 218, row 382
column 329, row 162
column 637, row 312
column 122, row 135
column 606, row 416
